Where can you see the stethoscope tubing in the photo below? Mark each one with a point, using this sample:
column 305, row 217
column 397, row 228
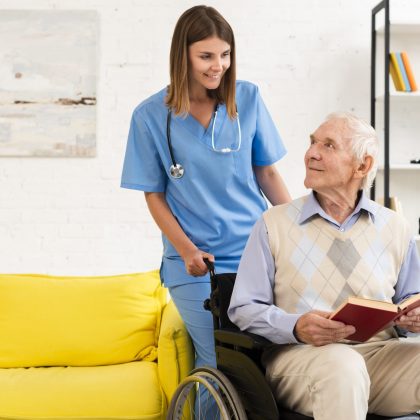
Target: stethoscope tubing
column 168, row 136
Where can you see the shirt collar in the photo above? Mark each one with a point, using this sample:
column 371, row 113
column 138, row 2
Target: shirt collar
column 311, row 208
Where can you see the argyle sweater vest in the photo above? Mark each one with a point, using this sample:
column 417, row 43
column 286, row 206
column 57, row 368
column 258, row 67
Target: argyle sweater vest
column 317, row 266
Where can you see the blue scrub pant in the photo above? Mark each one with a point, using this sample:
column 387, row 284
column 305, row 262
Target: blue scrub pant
column 189, row 299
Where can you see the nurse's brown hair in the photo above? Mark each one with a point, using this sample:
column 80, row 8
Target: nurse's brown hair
column 196, row 24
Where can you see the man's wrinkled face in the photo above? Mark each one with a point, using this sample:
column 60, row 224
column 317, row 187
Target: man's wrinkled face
column 329, row 160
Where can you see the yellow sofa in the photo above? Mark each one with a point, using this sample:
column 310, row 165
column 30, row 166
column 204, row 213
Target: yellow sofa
column 109, row 347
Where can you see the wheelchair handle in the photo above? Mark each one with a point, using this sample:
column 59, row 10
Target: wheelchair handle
column 210, row 266
column 209, row 304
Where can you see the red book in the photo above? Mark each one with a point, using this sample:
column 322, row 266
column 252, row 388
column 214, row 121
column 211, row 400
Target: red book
column 370, row 316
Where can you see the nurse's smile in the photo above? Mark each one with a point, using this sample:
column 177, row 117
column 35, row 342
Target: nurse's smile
column 215, row 76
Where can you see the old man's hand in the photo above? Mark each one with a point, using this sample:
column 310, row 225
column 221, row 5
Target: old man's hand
column 410, row 321
column 315, row 328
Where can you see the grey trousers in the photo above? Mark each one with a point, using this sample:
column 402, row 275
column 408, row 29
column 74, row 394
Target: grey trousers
column 343, row 381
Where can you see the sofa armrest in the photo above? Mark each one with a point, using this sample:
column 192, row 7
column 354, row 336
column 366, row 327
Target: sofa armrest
column 175, row 351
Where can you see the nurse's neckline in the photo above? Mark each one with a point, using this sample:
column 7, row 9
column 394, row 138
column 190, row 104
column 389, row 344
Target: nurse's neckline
column 203, row 118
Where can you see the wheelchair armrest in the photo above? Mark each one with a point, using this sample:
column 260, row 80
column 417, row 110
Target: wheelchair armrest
column 241, row 339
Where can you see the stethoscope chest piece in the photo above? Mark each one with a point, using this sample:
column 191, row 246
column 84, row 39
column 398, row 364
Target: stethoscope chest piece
column 176, row 171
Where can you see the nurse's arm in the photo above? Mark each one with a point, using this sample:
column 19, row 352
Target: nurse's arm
column 162, row 215
column 272, row 184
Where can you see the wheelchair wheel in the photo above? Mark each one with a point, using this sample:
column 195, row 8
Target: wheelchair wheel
column 221, row 398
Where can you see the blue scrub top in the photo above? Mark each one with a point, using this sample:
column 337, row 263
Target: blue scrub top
column 218, row 199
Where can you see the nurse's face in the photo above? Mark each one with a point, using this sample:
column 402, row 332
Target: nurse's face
column 208, row 59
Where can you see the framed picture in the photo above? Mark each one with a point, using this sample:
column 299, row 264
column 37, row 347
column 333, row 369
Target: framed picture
column 48, row 71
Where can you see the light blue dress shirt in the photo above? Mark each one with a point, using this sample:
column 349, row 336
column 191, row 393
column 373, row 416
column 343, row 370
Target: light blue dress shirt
column 252, row 305
column 218, row 199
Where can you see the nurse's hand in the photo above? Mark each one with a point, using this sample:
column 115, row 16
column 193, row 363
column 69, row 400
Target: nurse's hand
column 194, row 262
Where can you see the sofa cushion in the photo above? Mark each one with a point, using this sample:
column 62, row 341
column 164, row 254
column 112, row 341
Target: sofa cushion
column 125, row 391
column 79, row 321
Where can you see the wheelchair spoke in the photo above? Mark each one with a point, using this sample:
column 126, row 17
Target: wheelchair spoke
column 205, row 394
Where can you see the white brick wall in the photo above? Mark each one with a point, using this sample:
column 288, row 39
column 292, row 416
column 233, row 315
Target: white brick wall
column 69, row 216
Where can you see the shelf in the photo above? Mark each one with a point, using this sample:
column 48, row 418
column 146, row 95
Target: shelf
column 400, row 122
column 401, row 28
column 414, row 96
column 402, row 167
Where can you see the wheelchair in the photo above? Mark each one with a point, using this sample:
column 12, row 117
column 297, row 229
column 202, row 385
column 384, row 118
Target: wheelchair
column 237, row 388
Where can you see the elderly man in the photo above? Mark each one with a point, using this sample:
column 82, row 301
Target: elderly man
column 304, row 258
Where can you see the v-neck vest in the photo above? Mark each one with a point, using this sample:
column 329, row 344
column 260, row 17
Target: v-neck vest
column 318, row 266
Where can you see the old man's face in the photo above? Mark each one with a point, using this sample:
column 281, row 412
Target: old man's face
column 329, row 161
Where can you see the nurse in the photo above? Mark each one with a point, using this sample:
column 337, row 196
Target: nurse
column 203, row 151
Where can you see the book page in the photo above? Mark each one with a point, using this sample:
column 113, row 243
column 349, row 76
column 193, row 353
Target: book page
column 410, row 302
column 372, row 303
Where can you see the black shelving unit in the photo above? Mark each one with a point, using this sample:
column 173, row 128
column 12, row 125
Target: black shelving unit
column 383, row 5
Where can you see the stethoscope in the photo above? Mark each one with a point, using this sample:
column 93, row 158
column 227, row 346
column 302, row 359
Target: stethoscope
column 176, row 169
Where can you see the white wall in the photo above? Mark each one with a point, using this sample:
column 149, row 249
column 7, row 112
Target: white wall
column 69, row 216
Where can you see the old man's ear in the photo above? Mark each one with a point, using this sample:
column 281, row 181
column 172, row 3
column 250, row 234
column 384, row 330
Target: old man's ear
column 364, row 167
